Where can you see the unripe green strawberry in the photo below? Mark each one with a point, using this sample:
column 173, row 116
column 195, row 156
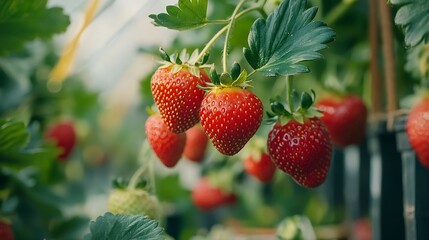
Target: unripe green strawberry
column 133, row 202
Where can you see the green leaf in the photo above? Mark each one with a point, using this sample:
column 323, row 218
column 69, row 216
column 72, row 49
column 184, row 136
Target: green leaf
column 287, row 37
column 123, row 227
column 414, row 18
column 13, row 135
column 16, row 153
column 188, row 14
column 22, row 21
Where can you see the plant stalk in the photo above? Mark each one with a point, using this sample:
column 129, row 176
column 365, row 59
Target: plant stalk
column 289, row 80
column 389, row 59
column 375, row 68
column 228, row 35
column 143, row 154
column 221, row 31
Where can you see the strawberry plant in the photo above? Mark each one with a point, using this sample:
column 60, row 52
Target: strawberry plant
column 235, row 94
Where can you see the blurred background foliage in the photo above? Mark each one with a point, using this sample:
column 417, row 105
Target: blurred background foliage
column 107, row 96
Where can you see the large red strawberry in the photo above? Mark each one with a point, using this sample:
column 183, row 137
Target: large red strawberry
column 345, row 117
column 196, row 144
column 167, row 145
column 299, row 143
column 418, row 130
column 230, row 114
column 176, row 90
column 207, row 197
column 261, row 167
column 6, row 232
column 63, row 134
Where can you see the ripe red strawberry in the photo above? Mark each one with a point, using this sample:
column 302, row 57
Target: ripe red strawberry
column 345, row 118
column 63, row 134
column 196, row 144
column 207, row 197
column 176, row 90
column 262, row 167
column 418, row 130
column 230, row 117
column 133, row 202
column 6, row 232
column 301, row 150
column 167, row 145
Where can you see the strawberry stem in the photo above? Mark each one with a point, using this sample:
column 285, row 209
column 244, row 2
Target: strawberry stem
column 145, row 150
column 228, row 35
column 289, row 80
column 259, row 8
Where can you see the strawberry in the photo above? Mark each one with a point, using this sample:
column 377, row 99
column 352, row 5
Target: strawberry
column 133, row 202
column 301, row 150
column 417, row 130
column 6, row 232
column 175, row 89
column 207, row 197
column 196, row 144
column 262, row 167
column 230, row 114
column 299, row 143
column 167, row 145
column 345, row 118
column 63, row 134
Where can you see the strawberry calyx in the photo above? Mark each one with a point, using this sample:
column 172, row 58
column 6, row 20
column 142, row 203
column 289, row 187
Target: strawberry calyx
column 236, row 79
column 298, row 107
column 184, row 60
column 121, row 183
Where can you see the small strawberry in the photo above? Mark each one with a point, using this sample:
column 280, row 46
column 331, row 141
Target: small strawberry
column 418, row 130
column 230, row 114
column 257, row 162
column 196, row 144
column 175, row 89
column 167, row 145
column 133, row 202
column 6, row 232
column 345, row 118
column 63, row 134
column 207, row 197
column 299, row 143
column 262, row 167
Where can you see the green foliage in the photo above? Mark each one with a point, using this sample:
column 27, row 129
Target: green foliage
column 287, row 37
column 13, row 151
column 22, row 21
column 188, row 14
column 414, row 18
column 123, row 227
